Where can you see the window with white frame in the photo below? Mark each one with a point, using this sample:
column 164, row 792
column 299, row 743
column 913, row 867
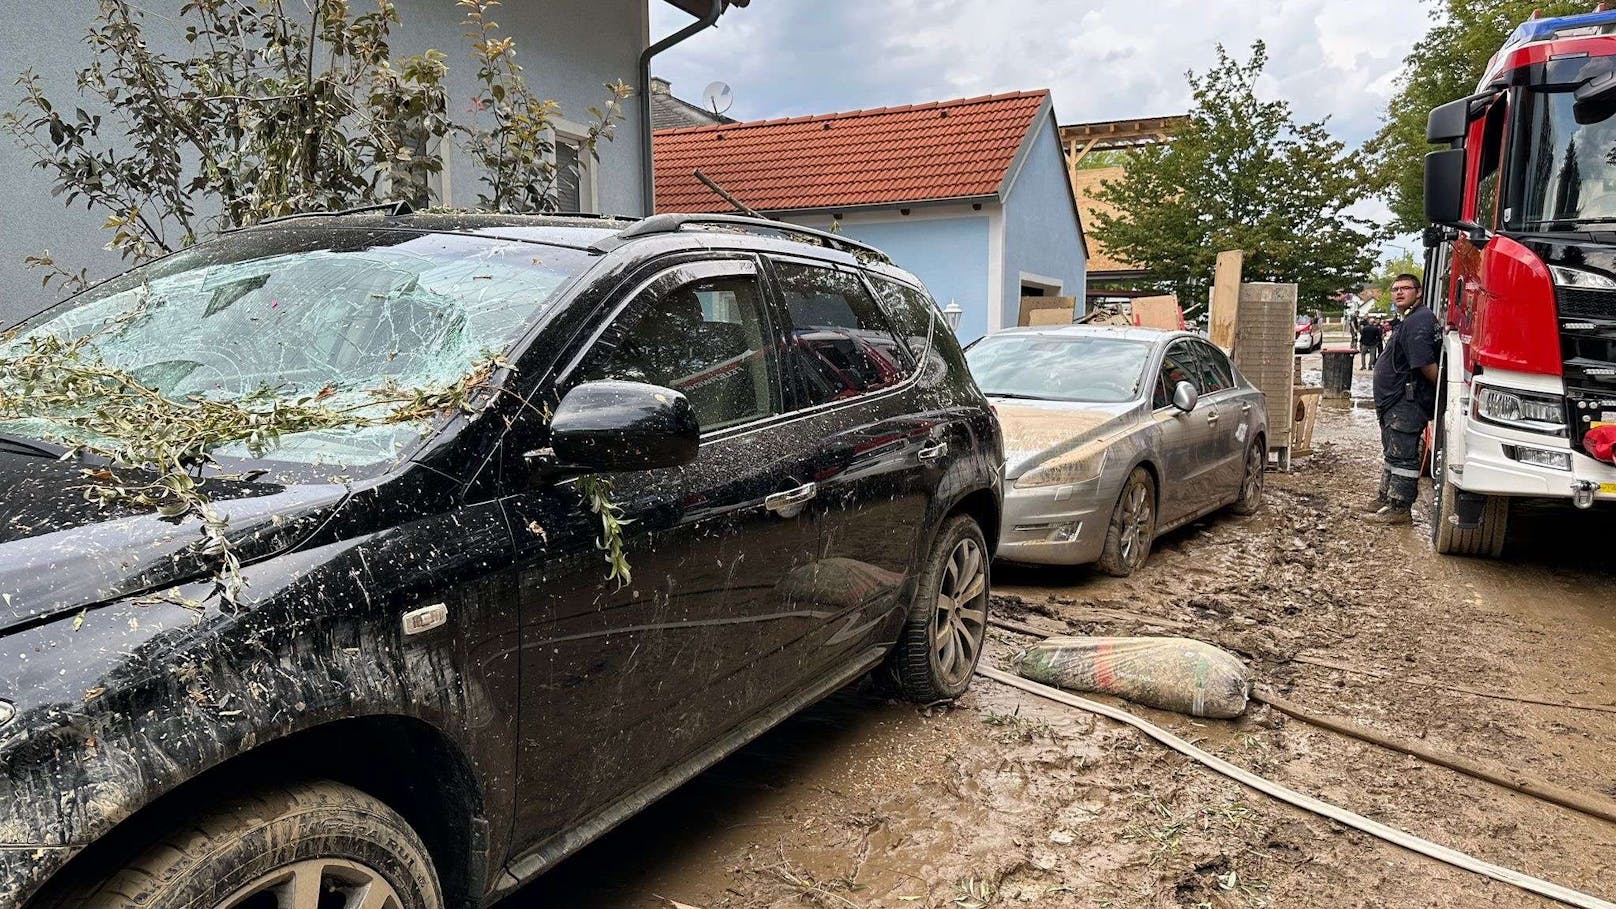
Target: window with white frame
column 575, row 169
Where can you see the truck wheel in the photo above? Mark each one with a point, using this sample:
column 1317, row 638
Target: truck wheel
column 312, row 845
column 942, row 640
column 1486, row 539
column 1132, row 528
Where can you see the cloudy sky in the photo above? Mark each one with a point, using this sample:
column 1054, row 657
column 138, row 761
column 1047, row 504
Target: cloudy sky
column 1102, row 59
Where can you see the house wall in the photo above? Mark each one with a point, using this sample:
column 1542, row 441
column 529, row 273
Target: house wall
column 1042, row 236
column 568, row 49
column 945, row 247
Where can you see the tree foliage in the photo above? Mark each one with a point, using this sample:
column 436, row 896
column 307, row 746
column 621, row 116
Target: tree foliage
column 271, row 110
column 1444, row 65
column 1242, row 174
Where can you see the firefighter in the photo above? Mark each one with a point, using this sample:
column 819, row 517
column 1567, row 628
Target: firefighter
column 1405, row 399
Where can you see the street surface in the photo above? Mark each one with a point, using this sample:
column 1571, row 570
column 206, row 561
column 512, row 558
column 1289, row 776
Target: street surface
column 1008, row 800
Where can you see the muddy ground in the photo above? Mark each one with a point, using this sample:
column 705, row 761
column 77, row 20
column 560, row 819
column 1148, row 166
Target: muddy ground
column 1008, row 800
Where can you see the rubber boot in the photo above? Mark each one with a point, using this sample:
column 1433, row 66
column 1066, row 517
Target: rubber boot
column 1391, row 514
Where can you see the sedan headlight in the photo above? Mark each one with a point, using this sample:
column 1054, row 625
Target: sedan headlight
column 1521, row 410
column 1079, row 466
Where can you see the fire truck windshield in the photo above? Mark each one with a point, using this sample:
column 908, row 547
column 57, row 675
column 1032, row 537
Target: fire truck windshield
column 1566, row 177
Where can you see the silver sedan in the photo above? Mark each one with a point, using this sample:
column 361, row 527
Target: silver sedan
column 1114, row 435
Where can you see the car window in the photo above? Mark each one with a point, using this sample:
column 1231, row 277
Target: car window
column 910, row 311
column 841, row 344
column 1178, row 365
column 708, row 339
column 1215, row 371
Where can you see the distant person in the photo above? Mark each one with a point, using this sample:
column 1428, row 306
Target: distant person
column 1369, row 340
column 1405, row 398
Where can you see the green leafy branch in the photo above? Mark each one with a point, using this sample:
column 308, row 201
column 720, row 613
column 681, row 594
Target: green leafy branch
column 597, row 495
column 133, row 427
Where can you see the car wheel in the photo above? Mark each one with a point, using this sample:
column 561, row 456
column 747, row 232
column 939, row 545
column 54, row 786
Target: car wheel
column 1132, row 528
column 942, row 640
column 317, row 845
column 1251, row 484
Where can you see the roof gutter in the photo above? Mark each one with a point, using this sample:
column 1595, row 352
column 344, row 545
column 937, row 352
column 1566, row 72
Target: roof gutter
column 648, row 173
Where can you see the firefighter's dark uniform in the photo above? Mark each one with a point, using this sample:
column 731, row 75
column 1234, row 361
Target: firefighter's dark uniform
column 1405, row 401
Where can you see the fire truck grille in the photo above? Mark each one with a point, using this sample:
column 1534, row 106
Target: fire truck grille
column 1586, row 304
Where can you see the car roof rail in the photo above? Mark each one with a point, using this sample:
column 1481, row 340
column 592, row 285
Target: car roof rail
column 672, row 222
column 393, row 209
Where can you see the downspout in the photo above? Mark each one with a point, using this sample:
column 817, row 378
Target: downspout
column 648, row 175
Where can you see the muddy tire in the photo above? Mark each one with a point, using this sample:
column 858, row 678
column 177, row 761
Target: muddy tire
column 1251, row 482
column 1485, row 540
column 942, row 639
column 1132, row 527
column 300, row 846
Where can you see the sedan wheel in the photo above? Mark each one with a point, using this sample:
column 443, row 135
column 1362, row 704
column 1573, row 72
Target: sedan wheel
column 1132, row 528
column 941, row 641
column 1251, row 484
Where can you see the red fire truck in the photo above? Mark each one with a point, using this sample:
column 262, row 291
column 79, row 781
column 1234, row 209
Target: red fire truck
column 1522, row 263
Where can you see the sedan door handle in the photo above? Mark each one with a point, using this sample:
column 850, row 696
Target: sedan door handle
column 1245, row 407
column 789, row 503
column 934, row 452
column 1212, row 416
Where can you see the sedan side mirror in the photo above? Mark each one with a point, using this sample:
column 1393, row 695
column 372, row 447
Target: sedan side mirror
column 1185, row 396
column 613, row 426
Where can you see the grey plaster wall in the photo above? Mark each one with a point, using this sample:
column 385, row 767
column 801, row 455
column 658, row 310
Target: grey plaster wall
column 569, row 49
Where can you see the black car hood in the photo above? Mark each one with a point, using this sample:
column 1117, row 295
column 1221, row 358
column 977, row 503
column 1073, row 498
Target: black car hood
column 60, row 552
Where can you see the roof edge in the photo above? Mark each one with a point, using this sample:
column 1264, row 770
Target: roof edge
column 863, row 112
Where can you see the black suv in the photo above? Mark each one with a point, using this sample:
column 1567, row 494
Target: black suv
column 711, row 470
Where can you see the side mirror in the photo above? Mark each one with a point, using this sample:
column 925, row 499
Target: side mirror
column 1185, row 396
column 1444, row 185
column 1450, row 122
column 612, row 426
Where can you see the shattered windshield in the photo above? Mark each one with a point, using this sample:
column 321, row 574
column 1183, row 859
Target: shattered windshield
column 356, row 320
column 1046, row 367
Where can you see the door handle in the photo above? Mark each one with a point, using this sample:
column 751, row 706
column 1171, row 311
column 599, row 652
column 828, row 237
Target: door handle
column 789, row 503
column 1245, row 407
column 1212, row 416
column 934, row 452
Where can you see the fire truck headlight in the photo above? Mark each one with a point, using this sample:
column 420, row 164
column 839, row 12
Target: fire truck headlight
column 1581, row 279
column 1536, row 413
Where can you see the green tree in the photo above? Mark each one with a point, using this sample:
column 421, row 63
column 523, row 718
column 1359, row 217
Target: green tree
column 1242, row 174
column 1402, row 264
column 1444, row 65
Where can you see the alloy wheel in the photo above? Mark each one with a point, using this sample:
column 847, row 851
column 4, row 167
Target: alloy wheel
column 1251, row 489
column 1137, row 520
column 317, row 884
column 961, row 618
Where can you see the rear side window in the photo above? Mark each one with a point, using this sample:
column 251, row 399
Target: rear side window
column 841, row 343
column 912, row 313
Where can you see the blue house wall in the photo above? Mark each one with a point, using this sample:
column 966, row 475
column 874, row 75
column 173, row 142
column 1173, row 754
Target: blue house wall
column 949, row 254
column 1042, row 234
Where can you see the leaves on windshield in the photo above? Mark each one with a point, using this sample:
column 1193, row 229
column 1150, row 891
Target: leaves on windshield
column 154, row 447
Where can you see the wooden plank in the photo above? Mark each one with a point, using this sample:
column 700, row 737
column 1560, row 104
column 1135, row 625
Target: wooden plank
column 1059, row 304
column 1225, row 311
column 1157, row 312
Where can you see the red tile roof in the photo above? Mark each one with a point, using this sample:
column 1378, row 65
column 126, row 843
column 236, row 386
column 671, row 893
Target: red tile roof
column 945, row 150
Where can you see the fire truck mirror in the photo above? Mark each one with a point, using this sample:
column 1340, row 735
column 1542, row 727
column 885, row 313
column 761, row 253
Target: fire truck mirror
column 1596, row 99
column 1444, row 185
column 1449, row 122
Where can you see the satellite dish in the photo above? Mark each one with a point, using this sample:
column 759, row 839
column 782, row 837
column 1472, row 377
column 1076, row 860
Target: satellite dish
column 718, row 97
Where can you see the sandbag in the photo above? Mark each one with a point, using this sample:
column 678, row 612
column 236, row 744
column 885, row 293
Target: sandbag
column 1177, row 674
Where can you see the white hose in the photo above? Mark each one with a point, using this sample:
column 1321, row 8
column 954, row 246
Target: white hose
column 1356, row 821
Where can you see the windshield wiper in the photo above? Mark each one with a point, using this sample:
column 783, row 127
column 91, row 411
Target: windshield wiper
column 1573, row 221
column 25, row 446
column 1011, row 394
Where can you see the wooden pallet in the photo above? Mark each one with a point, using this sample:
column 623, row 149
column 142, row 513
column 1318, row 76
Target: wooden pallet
column 1264, row 352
